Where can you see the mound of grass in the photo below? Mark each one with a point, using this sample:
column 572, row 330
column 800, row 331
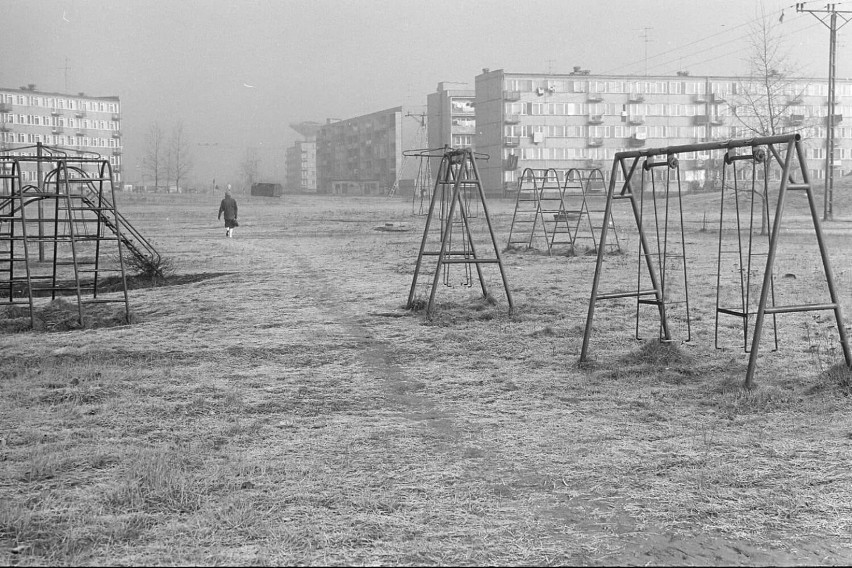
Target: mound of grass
column 61, row 315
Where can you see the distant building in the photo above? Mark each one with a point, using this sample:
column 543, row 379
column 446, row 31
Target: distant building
column 301, row 159
column 360, row 155
column 581, row 120
column 301, row 165
column 77, row 123
column 450, row 116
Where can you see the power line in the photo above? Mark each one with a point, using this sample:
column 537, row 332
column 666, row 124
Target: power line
column 680, row 49
column 733, row 41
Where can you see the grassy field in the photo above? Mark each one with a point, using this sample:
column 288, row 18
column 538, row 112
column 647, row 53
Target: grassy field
column 274, row 403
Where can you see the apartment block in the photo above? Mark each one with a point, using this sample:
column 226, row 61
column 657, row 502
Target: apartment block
column 360, row 155
column 301, row 165
column 578, row 119
column 76, row 123
column 450, row 116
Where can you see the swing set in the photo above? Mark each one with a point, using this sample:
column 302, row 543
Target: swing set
column 447, row 236
column 658, row 214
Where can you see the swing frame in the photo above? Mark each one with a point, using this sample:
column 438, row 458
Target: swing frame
column 627, row 162
column 457, row 178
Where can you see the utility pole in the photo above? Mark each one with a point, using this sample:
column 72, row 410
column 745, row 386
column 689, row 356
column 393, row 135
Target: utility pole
column 830, row 13
column 646, row 40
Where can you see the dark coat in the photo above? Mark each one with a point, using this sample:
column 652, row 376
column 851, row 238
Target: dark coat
column 229, row 208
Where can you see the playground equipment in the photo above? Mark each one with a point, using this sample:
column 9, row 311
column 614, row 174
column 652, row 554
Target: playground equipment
column 422, row 186
column 63, row 235
column 749, row 203
column 784, row 149
column 457, row 188
column 558, row 213
column 583, row 198
column 538, row 207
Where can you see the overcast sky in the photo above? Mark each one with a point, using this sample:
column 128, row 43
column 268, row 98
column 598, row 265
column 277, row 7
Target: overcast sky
column 237, row 72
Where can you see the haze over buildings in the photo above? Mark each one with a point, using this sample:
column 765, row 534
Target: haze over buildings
column 237, row 73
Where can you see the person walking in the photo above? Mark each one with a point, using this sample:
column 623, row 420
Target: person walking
column 229, row 208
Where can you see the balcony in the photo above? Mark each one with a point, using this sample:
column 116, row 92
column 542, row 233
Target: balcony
column 510, row 163
column 116, row 152
column 838, row 118
column 57, row 130
column 717, row 120
column 511, row 141
column 594, row 97
column 700, row 119
column 116, row 133
column 636, row 97
column 511, row 96
column 511, row 119
column 116, row 117
column 595, row 119
column 56, row 112
column 116, row 169
column 795, row 99
column 699, row 98
column 594, row 142
column 796, row 119
column 597, row 164
column 636, row 140
column 80, row 114
column 5, row 107
column 5, row 127
column 636, row 120
column 718, row 98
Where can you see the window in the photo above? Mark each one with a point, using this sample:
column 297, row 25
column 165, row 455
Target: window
column 574, row 109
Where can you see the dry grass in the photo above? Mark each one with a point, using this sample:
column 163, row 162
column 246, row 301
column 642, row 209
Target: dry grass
column 284, row 408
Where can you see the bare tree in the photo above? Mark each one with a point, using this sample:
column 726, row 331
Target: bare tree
column 767, row 99
column 768, row 95
column 155, row 160
column 180, row 160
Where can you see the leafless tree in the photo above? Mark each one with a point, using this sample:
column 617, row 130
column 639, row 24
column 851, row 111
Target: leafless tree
column 180, row 160
column 767, row 97
column 155, row 161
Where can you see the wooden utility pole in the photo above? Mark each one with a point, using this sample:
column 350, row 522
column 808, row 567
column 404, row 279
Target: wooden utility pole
column 830, row 13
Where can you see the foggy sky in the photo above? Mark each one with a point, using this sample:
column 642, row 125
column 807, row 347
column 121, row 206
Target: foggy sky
column 237, row 72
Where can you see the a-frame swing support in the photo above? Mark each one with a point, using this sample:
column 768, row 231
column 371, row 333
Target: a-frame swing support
column 628, row 161
column 458, row 176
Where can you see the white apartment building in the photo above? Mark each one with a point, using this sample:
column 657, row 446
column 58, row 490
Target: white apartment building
column 77, row 123
column 451, row 116
column 577, row 119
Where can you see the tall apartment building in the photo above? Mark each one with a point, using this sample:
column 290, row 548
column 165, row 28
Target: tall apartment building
column 301, row 166
column 360, row 155
column 301, row 159
column 76, row 123
column 450, row 116
column 581, row 120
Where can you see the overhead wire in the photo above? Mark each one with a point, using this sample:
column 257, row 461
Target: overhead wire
column 679, row 50
column 730, row 53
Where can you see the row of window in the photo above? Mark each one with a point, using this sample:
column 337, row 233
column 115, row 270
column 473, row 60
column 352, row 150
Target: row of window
column 682, row 87
column 57, row 103
column 539, row 153
column 58, row 121
column 659, row 131
column 655, row 109
column 57, row 140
